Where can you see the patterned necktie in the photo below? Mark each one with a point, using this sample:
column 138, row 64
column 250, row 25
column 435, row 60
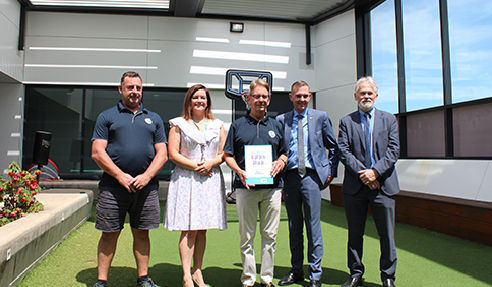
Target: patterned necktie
column 300, row 147
column 367, row 136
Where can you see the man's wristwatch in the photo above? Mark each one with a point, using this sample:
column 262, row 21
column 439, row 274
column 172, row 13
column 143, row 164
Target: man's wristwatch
column 283, row 160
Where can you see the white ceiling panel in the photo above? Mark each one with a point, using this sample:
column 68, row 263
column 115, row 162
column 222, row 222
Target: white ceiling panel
column 288, row 9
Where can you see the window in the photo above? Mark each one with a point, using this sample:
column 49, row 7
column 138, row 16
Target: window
column 59, row 110
column 431, row 127
column 470, row 49
column 423, row 65
column 383, row 45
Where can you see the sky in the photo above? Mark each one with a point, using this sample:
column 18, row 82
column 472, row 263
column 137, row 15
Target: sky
column 470, row 23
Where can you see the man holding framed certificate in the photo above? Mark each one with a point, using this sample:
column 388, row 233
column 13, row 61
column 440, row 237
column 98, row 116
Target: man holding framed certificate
column 256, row 151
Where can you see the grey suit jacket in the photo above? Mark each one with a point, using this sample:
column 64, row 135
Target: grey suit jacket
column 386, row 151
column 320, row 138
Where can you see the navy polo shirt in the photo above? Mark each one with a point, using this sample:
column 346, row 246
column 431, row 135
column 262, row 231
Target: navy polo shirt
column 131, row 139
column 248, row 131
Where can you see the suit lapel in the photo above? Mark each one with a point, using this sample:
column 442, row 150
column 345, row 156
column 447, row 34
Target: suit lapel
column 358, row 127
column 288, row 126
column 378, row 127
column 311, row 128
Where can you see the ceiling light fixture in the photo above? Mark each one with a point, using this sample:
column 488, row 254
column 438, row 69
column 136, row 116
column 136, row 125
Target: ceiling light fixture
column 149, row 4
column 237, row 27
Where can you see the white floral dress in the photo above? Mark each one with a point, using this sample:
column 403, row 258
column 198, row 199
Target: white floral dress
column 195, row 201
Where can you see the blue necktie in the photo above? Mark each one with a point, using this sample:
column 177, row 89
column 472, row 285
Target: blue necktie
column 300, row 148
column 367, row 136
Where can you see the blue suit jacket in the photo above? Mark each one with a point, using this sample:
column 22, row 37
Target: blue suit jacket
column 320, row 138
column 386, row 151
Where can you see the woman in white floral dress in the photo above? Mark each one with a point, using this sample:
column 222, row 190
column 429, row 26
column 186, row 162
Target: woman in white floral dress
column 196, row 199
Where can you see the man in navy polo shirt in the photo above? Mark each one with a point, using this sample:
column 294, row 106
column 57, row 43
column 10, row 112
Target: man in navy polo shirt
column 256, row 128
column 129, row 145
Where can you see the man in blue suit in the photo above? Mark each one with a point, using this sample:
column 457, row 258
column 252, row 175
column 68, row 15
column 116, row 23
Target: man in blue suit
column 309, row 170
column 369, row 148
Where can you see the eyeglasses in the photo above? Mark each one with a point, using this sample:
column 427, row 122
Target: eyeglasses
column 257, row 97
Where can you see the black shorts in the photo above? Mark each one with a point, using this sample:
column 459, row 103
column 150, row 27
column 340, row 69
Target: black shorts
column 113, row 204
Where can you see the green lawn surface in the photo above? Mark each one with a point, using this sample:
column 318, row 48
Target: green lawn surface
column 425, row 258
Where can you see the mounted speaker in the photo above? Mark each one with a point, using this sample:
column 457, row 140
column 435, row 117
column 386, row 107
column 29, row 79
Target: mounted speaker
column 42, row 143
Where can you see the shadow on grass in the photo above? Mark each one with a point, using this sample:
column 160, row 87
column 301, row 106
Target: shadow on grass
column 330, row 276
column 165, row 274
column 118, row 276
column 464, row 256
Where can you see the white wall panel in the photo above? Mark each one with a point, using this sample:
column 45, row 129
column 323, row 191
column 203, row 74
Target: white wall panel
column 335, row 28
column 336, row 51
column 11, row 117
column 456, row 178
column 337, row 102
column 286, row 32
column 11, row 60
column 187, row 29
column 11, row 10
column 485, row 190
column 336, row 67
column 82, row 66
column 175, row 38
column 336, row 63
column 86, row 25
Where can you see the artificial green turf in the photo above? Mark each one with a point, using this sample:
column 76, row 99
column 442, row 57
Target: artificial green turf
column 425, row 258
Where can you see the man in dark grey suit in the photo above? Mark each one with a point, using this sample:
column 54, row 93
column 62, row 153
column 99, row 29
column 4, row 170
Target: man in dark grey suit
column 309, row 170
column 369, row 148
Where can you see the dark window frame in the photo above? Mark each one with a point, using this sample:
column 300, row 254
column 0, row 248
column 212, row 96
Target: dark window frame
column 364, row 68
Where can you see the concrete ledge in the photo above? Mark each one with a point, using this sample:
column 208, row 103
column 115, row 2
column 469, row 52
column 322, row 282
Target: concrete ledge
column 93, row 185
column 26, row 241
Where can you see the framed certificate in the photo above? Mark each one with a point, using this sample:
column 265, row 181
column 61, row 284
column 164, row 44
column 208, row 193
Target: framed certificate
column 258, row 164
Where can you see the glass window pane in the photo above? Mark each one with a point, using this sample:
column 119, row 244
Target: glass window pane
column 470, row 40
column 472, row 130
column 423, row 63
column 96, row 101
column 58, row 111
column 425, row 133
column 168, row 104
column 384, row 56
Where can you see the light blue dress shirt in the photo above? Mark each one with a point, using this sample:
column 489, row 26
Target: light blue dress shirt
column 293, row 158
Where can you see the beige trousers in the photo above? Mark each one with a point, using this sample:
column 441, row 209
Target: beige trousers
column 248, row 203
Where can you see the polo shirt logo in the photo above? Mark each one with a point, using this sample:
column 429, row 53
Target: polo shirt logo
column 148, row 121
column 271, row 134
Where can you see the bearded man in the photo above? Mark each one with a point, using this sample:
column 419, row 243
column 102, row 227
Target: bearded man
column 369, row 148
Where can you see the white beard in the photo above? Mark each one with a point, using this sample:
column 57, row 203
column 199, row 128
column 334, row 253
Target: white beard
column 365, row 106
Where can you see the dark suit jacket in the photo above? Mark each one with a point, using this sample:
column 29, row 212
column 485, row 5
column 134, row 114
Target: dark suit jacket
column 320, row 138
column 386, row 151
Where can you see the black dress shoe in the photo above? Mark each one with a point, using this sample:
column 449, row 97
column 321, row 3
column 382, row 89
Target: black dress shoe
column 389, row 283
column 315, row 283
column 291, row 278
column 352, row 282
column 267, row 285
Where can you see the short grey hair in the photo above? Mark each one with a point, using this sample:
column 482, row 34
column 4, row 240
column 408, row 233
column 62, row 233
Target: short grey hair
column 368, row 79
